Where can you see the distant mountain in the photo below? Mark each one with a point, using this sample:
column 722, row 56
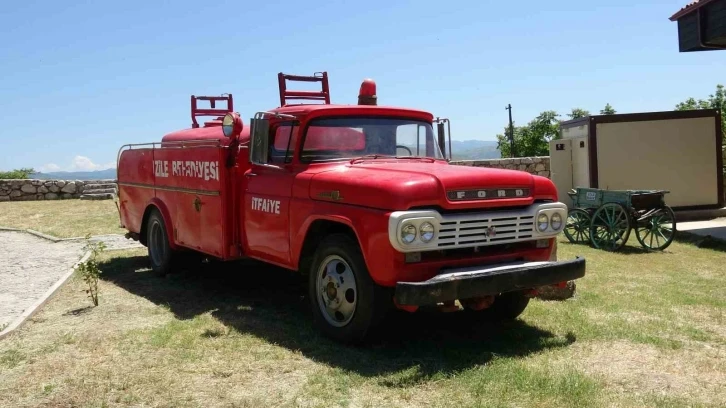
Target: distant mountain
column 77, row 175
column 474, row 149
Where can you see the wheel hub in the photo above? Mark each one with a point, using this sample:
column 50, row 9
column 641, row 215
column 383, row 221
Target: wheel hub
column 338, row 294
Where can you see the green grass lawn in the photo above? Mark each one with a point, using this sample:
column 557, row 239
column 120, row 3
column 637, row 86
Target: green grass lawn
column 645, row 330
column 62, row 218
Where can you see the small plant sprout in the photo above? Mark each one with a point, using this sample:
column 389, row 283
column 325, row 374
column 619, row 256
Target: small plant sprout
column 89, row 271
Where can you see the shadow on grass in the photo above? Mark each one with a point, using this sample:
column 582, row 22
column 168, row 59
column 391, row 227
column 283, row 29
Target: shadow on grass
column 270, row 303
column 628, row 249
column 708, row 242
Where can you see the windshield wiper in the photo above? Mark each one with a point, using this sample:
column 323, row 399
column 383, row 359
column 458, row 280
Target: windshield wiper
column 372, row 156
column 386, row 156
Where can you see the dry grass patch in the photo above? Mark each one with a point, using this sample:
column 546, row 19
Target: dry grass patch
column 692, row 374
column 62, row 218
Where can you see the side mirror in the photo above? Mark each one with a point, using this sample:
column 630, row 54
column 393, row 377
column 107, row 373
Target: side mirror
column 442, row 136
column 232, row 125
column 260, row 140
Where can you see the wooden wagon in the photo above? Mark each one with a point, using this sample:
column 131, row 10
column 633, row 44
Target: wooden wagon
column 604, row 218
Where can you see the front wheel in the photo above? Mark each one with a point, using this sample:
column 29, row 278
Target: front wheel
column 346, row 304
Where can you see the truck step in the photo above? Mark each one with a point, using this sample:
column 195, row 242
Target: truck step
column 94, row 196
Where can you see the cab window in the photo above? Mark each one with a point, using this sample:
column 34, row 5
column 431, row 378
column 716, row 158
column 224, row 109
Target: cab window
column 282, row 144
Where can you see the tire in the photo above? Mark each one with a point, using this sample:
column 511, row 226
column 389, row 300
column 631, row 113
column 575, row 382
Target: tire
column 161, row 256
column 338, row 277
column 506, row 306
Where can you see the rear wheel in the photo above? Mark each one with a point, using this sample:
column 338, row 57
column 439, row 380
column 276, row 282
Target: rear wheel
column 345, row 302
column 157, row 241
column 658, row 231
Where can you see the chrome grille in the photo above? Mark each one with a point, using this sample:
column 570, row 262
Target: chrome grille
column 474, row 230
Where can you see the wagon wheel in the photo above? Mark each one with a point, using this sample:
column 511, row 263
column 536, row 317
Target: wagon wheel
column 610, row 227
column 577, row 229
column 659, row 229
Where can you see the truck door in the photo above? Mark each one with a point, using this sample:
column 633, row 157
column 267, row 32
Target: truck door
column 268, row 193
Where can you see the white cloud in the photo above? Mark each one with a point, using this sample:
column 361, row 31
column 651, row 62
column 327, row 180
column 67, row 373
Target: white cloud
column 79, row 163
column 49, row 167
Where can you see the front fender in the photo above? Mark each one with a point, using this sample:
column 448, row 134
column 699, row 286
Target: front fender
column 370, row 227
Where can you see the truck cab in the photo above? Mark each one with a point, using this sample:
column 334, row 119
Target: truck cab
column 361, row 199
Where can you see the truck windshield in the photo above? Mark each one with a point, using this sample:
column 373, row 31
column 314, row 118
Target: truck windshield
column 351, row 137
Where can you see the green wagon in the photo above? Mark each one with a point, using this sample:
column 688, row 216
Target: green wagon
column 604, row 218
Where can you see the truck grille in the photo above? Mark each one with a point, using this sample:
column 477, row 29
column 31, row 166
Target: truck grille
column 475, row 230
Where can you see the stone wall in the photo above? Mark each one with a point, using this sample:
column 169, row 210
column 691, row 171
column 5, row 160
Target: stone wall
column 534, row 165
column 32, row 190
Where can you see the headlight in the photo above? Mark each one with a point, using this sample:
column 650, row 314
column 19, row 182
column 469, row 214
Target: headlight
column 542, row 222
column 427, row 231
column 556, row 221
column 408, row 233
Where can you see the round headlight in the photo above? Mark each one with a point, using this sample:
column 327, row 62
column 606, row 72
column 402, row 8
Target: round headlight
column 556, row 221
column 427, row 231
column 408, row 233
column 542, row 222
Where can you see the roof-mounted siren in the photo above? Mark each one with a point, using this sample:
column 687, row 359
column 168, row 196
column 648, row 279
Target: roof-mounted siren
column 285, row 94
column 218, row 113
column 367, row 94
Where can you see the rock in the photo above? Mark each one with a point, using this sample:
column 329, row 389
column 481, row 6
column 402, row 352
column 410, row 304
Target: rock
column 544, row 173
column 526, row 160
column 16, row 194
column 36, row 183
column 516, row 161
column 523, row 167
column 48, row 183
column 67, row 195
column 60, row 183
column 539, row 167
column 43, row 189
column 54, row 188
column 537, row 159
column 51, row 196
column 71, row 187
column 4, row 198
column 39, row 196
column 27, row 188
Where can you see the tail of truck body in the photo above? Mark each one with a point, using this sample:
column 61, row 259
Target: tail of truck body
column 197, row 198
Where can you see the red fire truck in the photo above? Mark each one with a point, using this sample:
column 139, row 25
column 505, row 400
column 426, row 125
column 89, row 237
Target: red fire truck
column 361, row 199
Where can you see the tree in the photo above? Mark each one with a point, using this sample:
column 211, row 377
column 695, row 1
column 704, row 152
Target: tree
column 608, row 110
column 16, row 174
column 578, row 113
column 532, row 139
column 717, row 100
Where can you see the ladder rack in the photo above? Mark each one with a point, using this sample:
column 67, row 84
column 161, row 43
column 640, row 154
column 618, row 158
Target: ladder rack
column 285, row 94
column 212, row 110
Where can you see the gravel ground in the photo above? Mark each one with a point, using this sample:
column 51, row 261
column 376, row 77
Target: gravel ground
column 29, row 266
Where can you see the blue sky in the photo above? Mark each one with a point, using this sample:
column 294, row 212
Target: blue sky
column 79, row 80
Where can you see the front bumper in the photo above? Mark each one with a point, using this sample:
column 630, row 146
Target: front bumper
column 478, row 281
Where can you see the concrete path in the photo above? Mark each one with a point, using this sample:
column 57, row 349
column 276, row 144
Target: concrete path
column 30, row 266
column 33, row 267
column 716, row 228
